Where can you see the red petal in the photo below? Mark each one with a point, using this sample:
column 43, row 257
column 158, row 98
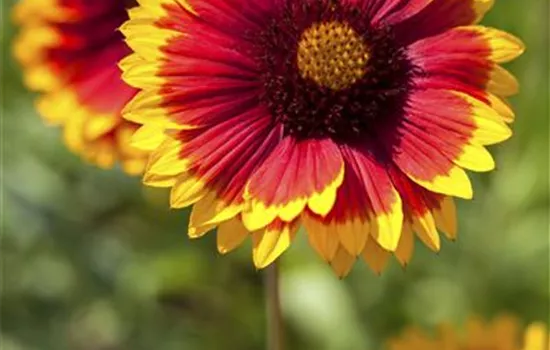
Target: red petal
column 416, row 199
column 440, row 16
column 297, row 174
column 234, row 17
column 437, row 126
column 373, row 183
column 395, row 11
column 226, row 155
column 458, row 59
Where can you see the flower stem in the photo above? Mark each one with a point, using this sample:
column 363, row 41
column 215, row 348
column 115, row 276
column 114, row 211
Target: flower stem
column 275, row 331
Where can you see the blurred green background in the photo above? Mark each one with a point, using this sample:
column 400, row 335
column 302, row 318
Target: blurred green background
column 93, row 261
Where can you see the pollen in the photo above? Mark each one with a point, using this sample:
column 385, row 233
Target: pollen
column 332, row 54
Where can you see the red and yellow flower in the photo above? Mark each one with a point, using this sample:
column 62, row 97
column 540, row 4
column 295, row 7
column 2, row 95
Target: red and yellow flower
column 353, row 118
column 504, row 333
column 69, row 50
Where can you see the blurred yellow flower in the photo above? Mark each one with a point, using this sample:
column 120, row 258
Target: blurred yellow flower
column 504, row 333
column 69, row 51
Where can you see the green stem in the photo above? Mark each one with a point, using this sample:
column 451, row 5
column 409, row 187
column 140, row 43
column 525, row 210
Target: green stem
column 275, row 326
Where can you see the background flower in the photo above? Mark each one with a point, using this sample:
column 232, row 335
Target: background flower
column 353, row 118
column 503, row 333
column 69, row 50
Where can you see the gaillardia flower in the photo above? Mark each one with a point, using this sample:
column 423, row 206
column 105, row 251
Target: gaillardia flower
column 502, row 334
column 69, row 50
column 353, row 118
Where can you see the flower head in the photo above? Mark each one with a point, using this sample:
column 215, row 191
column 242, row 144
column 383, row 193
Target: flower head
column 502, row 334
column 69, row 50
column 353, row 118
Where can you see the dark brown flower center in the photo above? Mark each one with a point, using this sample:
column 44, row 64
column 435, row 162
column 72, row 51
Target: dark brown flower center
column 327, row 72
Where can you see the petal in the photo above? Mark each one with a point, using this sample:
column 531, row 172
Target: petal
column 148, row 138
column 477, row 333
column 475, row 157
column 326, row 235
column 445, row 217
column 454, row 182
column 227, row 155
column 502, row 107
column 230, row 17
column 145, row 33
column 342, row 262
column 187, row 190
column 323, row 237
column 405, row 248
column 44, row 10
column 159, row 180
column 536, row 337
column 489, row 126
column 375, row 256
column 146, row 108
column 465, row 59
column 372, row 181
column 395, row 11
column 52, row 106
column 204, row 111
column 449, row 338
column 502, row 82
column 504, row 331
column 198, row 232
column 217, row 160
column 433, row 143
column 230, row 235
column 297, row 174
column 424, row 226
column 347, row 224
column 166, row 159
column 269, row 244
column 100, row 125
column 386, row 226
column 138, row 72
column 353, row 235
column 177, row 62
column 420, row 207
column 441, row 15
column 504, row 47
column 133, row 166
column 102, row 154
column 208, row 212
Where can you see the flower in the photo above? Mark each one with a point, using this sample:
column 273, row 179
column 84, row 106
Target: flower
column 69, row 50
column 353, row 118
column 502, row 334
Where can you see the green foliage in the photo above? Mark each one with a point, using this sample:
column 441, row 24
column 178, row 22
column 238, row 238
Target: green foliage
column 92, row 260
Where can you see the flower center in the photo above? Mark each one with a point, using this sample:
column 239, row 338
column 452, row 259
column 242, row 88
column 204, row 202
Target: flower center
column 332, row 54
column 326, row 72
